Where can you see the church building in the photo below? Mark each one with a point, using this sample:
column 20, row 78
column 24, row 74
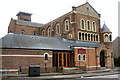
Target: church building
column 74, row 39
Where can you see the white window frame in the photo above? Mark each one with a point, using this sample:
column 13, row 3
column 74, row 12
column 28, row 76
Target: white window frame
column 57, row 28
column 70, row 35
column 111, row 37
column 89, row 37
column 49, row 31
column 105, row 37
column 79, row 35
column 81, row 24
column 80, row 57
column 94, row 25
column 87, row 25
column 85, row 57
column 47, row 56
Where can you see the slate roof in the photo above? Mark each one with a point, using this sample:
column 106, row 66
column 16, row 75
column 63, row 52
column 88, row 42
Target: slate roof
column 105, row 28
column 41, row 42
column 28, row 23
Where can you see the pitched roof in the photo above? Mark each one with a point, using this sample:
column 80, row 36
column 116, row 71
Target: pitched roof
column 105, row 28
column 28, row 23
column 41, row 42
column 87, row 9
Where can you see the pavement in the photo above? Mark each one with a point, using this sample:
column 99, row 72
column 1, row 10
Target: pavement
column 68, row 76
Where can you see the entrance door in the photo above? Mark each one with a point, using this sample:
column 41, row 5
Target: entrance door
column 63, row 59
column 102, row 59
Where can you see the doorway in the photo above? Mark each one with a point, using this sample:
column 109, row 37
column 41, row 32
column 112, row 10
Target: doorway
column 102, row 58
column 63, row 59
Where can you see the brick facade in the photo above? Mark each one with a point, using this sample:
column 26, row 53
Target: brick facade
column 70, row 28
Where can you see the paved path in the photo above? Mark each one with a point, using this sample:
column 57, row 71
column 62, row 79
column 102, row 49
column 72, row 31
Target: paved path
column 60, row 76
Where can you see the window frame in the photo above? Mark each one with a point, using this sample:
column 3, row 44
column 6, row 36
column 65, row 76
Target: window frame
column 57, row 28
column 70, row 35
column 46, row 58
column 83, row 24
column 106, row 38
column 34, row 33
column 66, row 24
column 79, row 35
column 49, row 31
column 22, row 31
column 87, row 25
column 79, row 58
column 110, row 37
column 83, row 57
column 94, row 27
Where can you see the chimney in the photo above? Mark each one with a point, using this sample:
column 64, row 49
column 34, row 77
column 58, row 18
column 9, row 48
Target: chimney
column 24, row 16
column 73, row 8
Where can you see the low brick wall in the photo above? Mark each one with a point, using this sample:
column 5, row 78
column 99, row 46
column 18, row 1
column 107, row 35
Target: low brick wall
column 25, row 70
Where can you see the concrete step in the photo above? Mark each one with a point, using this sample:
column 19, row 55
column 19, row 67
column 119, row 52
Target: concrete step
column 99, row 71
column 73, row 70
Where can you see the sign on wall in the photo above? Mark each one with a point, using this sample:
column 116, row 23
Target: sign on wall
column 81, row 51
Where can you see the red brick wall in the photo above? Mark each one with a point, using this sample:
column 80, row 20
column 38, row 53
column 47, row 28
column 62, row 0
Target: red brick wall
column 91, row 19
column 11, row 27
column 27, row 30
column 92, row 62
column 14, row 62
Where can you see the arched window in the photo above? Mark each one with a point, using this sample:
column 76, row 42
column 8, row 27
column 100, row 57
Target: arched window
column 58, row 28
column 22, row 32
column 79, row 35
column 96, row 37
column 66, row 25
column 82, row 24
column 84, row 57
column 34, row 33
column 93, row 26
column 88, row 25
column 106, row 38
column 110, row 37
column 82, row 36
column 89, row 37
column 49, row 32
column 85, row 36
column 46, row 57
column 43, row 33
column 79, row 57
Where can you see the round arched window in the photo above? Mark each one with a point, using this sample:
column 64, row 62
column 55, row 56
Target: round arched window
column 79, row 57
column 84, row 58
column 46, row 57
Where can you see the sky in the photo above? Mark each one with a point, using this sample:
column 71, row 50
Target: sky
column 46, row 10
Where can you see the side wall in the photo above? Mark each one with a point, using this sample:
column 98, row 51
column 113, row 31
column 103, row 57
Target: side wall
column 21, row 58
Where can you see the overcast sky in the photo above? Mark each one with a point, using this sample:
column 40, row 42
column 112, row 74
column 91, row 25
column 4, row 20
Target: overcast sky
column 46, row 10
